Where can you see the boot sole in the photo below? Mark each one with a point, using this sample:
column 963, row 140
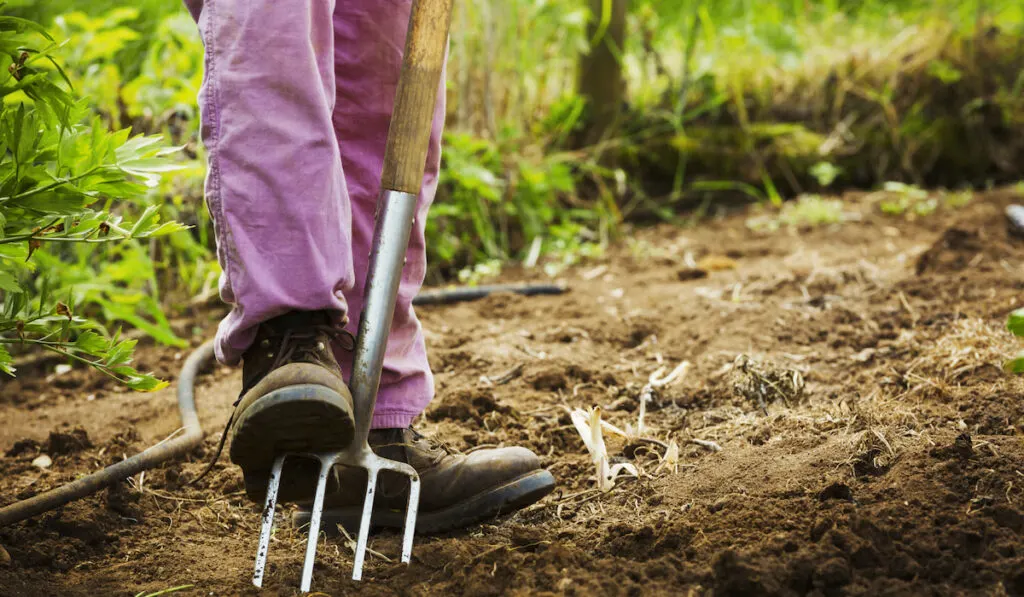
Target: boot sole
column 299, row 419
column 507, row 498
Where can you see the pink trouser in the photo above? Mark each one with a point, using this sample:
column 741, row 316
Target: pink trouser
column 295, row 107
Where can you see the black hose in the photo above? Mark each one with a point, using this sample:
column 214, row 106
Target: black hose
column 448, row 296
column 193, row 435
column 147, row 459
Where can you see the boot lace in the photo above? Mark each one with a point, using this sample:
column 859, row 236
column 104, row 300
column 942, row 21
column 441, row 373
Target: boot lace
column 305, row 344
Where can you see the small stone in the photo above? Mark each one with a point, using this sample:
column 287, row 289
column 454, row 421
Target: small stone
column 1015, row 220
column 42, row 461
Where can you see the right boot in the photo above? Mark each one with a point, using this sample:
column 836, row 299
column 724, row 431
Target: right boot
column 293, row 401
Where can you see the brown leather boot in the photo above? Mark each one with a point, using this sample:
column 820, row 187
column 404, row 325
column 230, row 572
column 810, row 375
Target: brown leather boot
column 457, row 489
column 293, row 400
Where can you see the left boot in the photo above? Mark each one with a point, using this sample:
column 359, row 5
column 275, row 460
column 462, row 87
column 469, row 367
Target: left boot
column 456, row 490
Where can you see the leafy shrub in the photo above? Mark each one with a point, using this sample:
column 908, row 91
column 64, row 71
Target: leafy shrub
column 63, row 185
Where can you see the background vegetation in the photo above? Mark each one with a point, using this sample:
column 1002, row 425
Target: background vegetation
column 696, row 102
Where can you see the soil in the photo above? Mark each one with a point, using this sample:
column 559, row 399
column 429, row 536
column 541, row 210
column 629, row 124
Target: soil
column 881, row 456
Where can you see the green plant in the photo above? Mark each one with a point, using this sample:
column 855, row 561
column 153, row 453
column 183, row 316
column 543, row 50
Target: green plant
column 480, row 273
column 825, row 173
column 62, row 184
column 90, row 56
column 911, row 201
column 161, row 98
column 500, row 201
column 808, row 211
column 1015, row 323
column 898, row 199
column 170, row 74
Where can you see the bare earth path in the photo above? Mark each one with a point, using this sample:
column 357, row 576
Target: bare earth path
column 897, row 471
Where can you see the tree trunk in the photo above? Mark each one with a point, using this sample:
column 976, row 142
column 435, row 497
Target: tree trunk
column 601, row 82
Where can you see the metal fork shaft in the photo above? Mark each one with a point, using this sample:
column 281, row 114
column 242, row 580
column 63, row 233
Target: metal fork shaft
column 384, row 275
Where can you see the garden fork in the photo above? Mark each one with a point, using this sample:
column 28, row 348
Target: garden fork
column 401, row 181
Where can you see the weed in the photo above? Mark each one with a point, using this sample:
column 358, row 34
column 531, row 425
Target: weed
column 808, row 211
column 899, row 199
column 911, row 201
column 480, row 273
column 1015, row 323
column 825, row 173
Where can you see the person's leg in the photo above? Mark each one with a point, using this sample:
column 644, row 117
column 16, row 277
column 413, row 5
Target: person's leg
column 276, row 191
column 456, row 489
column 275, row 185
column 369, row 43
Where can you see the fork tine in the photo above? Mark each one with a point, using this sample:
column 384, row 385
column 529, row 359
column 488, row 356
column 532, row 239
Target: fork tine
column 364, row 522
column 273, row 484
column 314, row 524
column 410, row 518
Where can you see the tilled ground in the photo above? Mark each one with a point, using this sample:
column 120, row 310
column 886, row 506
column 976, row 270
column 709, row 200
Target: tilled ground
column 886, row 457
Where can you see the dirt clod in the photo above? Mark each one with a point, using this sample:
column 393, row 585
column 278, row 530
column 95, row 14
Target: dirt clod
column 466, row 405
column 69, row 442
column 836, row 491
column 963, row 445
column 548, row 378
column 23, row 446
column 691, row 273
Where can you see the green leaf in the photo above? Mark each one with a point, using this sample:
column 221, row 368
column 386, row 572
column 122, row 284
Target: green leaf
column 8, row 283
column 144, row 165
column 19, row 25
column 6, row 361
column 16, row 252
column 137, row 147
column 1016, row 365
column 150, row 216
column 161, row 333
column 1015, row 323
column 120, row 354
column 91, row 343
column 145, row 383
column 165, row 229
